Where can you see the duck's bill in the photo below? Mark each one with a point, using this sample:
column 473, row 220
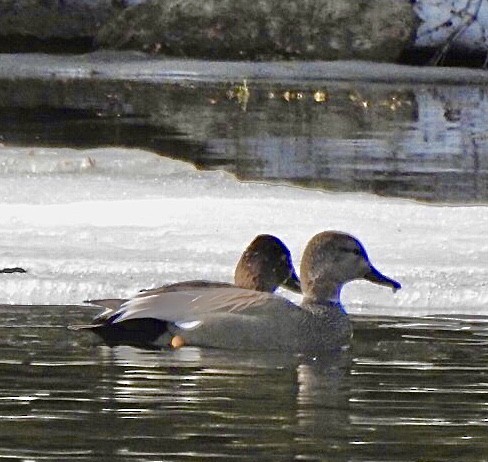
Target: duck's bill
column 375, row 276
column 293, row 283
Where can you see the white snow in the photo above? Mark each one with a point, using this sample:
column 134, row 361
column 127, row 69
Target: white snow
column 443, row 19
column 108, row 222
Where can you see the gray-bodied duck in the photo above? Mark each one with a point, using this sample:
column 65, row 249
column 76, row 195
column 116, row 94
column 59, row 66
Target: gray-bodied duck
column 265, row 265
column 239, row 318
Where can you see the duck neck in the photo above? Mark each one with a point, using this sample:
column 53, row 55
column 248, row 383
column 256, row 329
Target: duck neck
column 326, row 293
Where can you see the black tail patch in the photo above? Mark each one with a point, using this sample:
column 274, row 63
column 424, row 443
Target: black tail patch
column 142, row 333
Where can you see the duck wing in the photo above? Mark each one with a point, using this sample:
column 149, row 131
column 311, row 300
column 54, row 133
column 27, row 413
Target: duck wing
column 193, row 305
column 111, row 305
column 185, row 285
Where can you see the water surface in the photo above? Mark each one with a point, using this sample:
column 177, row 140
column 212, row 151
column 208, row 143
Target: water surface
column 408, row 389
column 403, row 138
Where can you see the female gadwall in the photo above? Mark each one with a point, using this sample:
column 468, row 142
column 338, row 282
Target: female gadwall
column 231, row 317
column 264, row 265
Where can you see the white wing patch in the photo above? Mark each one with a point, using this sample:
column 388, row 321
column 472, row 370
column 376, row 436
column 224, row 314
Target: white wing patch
column 188, row 325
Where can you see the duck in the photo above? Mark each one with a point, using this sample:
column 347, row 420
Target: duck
column 265, row 265
column 246, row 319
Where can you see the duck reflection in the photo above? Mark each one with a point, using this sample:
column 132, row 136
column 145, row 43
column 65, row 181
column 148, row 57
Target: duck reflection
column 213, row 402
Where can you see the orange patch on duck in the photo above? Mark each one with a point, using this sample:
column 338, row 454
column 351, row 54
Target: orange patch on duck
column 177, row 341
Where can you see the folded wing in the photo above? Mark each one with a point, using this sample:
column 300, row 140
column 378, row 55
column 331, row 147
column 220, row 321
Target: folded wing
column 192, row 305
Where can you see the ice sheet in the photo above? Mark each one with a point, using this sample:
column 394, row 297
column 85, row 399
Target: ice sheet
column 108, row 222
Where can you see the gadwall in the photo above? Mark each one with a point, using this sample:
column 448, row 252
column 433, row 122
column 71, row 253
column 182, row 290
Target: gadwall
column 231, row 317
column 265, row 265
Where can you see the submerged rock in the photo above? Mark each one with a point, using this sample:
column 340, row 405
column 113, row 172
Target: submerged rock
column 269, row 29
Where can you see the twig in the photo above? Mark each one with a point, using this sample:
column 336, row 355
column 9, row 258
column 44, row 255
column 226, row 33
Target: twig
column 471, row 17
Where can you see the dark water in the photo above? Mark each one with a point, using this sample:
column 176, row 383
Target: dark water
column 426, row 142
column 407, row 390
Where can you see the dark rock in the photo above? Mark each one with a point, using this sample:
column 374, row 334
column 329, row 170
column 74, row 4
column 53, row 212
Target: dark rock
column 13, row 270
column 52, row 25
column 269, row 29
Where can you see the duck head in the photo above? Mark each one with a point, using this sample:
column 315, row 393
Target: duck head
column 330, row 260
column 265, row 265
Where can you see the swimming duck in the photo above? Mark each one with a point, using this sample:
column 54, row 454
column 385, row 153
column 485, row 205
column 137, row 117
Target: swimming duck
column 237, row 318
column 264, row 265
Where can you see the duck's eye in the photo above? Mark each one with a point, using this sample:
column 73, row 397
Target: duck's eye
column 355, row 251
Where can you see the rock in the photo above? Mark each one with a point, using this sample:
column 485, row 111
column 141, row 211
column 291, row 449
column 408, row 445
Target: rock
column 27, row 25
column 13, row 270
column 267, row 29
column 416, row 32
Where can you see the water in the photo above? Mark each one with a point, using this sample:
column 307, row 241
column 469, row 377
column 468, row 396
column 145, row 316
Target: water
column 408, row 389
column 423, row 143
column 353, row 127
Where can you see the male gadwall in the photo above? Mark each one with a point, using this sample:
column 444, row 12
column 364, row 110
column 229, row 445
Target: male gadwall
column 264, row 265
column 231, row 317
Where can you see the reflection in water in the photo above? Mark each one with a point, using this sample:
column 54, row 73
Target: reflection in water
column 401, row 144
column 423, row 142
column 408, row 389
